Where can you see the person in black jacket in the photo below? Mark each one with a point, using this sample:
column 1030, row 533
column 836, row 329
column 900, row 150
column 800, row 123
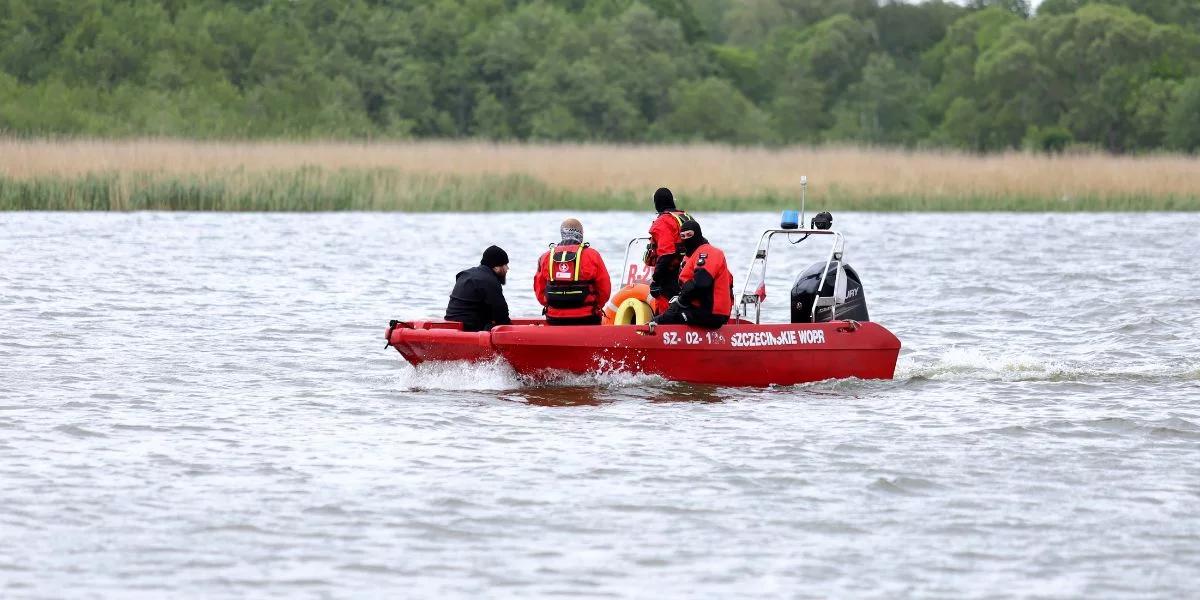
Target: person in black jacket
column 477, row 300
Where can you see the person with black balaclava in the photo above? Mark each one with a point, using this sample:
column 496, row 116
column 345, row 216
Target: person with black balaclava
column 477, row 300
column 664, row 252
column 705, row 284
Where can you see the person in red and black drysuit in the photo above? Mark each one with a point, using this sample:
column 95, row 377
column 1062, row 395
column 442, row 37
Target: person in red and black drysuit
column 664, row 252
column 572, row 281
column 705, row 284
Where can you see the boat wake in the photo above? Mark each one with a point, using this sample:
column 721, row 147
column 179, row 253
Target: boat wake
column 498, row 375
column 605, row 378
column 970, row 364
column 950, row 364
column 459, row 376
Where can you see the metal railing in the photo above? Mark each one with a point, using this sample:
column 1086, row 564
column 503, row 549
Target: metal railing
column 629, row 248
column 761, row 253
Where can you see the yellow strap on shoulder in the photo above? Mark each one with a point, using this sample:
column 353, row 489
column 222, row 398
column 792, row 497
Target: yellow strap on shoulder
column 578, row 257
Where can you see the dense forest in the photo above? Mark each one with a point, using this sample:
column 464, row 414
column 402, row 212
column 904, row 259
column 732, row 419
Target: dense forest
column 1117, row 75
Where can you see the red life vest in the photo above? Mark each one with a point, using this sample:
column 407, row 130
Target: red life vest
column 564, row 288
column 711, row 259
column 671, row 221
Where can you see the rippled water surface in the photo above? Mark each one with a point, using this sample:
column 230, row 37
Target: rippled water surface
column 202, row 405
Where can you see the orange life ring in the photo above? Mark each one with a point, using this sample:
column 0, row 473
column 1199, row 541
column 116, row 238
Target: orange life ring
column 640, row 291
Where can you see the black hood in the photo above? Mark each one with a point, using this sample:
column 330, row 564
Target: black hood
column 664, row 200
column 690, row 246
column 691, row 236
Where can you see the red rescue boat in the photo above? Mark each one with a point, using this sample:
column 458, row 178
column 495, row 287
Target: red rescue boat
column 738, row 354
column 830, row 336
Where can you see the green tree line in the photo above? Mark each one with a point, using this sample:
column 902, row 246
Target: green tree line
column 1118, row 75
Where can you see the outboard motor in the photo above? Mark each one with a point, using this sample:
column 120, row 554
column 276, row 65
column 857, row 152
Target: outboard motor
column 851, row 299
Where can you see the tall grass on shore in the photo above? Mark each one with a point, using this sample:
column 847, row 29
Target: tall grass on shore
column 479, row 176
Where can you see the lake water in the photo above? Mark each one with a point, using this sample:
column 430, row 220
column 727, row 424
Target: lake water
column 200, row 405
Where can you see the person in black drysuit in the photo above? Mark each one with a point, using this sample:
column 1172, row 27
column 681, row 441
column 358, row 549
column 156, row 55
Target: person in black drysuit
column 705, row 284
column 477, row 300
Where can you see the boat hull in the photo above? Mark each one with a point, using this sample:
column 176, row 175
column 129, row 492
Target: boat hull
column 738, row 354
column 432, row 341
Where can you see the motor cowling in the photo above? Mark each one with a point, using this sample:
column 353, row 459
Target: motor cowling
column 850, row 301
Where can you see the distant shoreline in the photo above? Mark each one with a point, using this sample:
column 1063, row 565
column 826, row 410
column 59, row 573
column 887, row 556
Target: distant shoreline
column 131, row 175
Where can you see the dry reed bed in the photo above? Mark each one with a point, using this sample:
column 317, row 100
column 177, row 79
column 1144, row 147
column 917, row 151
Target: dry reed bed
column 593, row 170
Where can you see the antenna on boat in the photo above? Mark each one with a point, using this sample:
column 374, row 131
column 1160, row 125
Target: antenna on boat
column 803, row 193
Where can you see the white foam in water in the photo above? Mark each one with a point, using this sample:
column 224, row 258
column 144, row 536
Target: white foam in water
column 610, row 378
column 970, row 364
column 955, row 363
column 460, row 375
column 608, row 374
column 1192, row 372
column 498, row 375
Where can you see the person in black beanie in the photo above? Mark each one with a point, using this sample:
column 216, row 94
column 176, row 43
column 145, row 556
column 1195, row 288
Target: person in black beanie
column 477, row 300
column 665, row 252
